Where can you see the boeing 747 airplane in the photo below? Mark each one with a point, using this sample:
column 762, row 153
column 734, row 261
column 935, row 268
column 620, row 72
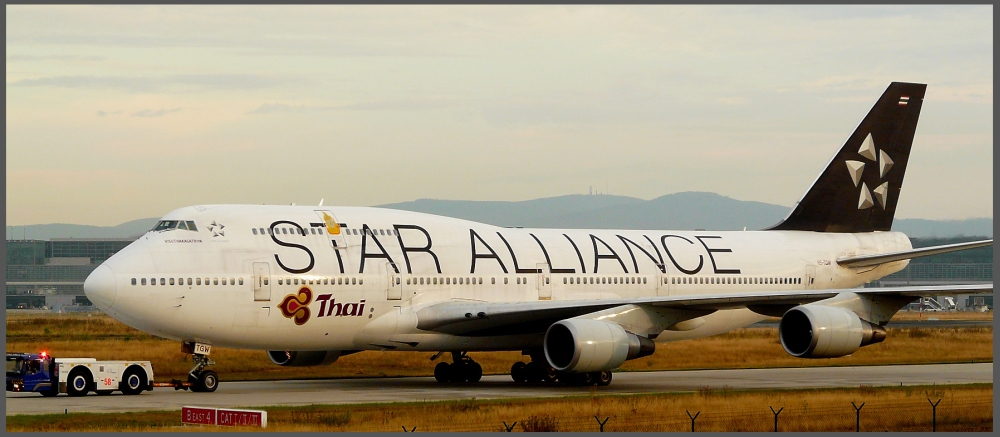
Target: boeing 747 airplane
column 309, row 284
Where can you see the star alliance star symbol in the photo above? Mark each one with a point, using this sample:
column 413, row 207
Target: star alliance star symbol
column 216, row 229
column 856, row 168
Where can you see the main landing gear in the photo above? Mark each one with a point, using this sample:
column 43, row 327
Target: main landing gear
column 201, row 379
column 538, row 370
column 462, row 369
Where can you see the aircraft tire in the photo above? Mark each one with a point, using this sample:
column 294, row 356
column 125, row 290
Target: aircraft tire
column 208, row 381
column 533, row 372
column 473, row 372
column 548, row 373
column 442, row 372
column 193, row 379
column 518, row 372
column 603, row 378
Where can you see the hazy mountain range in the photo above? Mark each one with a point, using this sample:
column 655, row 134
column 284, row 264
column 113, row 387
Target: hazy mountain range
column 679, row 211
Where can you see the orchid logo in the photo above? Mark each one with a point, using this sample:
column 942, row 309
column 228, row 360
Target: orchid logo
column 296, row 306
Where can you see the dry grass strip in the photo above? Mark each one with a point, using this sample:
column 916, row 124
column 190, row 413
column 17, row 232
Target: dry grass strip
column 963, row 408
column 102, row 337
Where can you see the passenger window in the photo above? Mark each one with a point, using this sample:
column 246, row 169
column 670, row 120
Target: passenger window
column 163, row 281
column 265, row 281
column 223, row 281
column 284, row 230
column 254, row 231
column 241, row 281
column 354, row 281
column 189, row 281
column 215, row 281
column 133, row 281
column 143, row 281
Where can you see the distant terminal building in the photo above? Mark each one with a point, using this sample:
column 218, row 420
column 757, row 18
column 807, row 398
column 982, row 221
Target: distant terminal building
column 49, row 274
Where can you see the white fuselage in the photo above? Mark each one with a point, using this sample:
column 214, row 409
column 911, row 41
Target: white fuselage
column 235, row 281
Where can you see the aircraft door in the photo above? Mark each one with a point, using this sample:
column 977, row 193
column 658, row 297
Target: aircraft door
column 810, row 278
column 261, row 282
column 662, row 284
column 394, row 287
column 544, row 282
column 333, row 231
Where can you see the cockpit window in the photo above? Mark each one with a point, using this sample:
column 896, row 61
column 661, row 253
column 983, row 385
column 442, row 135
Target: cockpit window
column 165, row 225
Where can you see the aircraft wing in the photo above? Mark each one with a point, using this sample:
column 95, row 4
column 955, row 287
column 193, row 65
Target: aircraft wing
column 874, row 260
column 476, row 318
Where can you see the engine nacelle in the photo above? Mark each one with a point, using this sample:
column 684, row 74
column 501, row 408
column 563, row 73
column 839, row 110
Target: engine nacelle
column 817, row 331
column 303, row 358
column 584, row 345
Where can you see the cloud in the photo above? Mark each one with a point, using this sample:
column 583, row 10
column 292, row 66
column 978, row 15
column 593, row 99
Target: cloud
column 107, row 113
column 155, row 113
column 139, row 84
column 60, row 58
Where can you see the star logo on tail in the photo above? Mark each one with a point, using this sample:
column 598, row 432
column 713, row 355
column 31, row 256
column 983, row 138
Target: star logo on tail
column 869, row 152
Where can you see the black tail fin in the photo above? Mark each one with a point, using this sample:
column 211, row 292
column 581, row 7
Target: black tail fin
column 858, row 190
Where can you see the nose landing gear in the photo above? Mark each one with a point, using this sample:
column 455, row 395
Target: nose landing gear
column 201, row 379
column 462, row 369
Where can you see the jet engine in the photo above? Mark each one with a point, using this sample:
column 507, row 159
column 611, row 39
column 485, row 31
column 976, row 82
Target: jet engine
column 584, row 345
column 303, row 358
column 817, row 331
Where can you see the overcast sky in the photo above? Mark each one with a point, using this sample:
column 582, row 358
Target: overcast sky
column 122, row 112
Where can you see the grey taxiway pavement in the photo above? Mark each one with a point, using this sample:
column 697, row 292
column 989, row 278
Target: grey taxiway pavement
column 369, row 390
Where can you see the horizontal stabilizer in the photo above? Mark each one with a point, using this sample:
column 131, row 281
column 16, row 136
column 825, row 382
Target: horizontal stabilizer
column 882, row 258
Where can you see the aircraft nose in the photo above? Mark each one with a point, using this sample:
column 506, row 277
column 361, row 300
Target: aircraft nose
column 101, row 288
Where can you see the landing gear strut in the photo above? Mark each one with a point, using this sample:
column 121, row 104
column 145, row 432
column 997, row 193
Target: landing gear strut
column 201, row 379
column 462, row 369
